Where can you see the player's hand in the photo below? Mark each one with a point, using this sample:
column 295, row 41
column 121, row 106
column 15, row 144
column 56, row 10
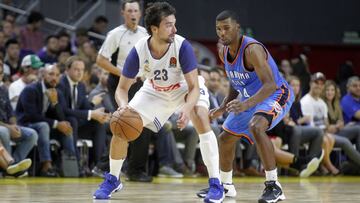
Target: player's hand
column 124, row 107
column 183, row 119
column 215, row 113
column 236, row 106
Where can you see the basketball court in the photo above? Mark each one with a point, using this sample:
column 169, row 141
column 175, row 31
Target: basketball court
column 166, row 190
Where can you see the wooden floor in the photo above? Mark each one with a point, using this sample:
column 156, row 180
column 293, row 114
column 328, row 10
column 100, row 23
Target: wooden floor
column 322, row 189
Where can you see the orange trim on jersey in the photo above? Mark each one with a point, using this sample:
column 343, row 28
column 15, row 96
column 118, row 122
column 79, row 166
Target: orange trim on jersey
column 238, row 51
column 243, row 55
column 238, row 135
column 164, row 89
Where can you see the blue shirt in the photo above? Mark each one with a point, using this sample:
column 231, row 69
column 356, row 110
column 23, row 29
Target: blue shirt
column 349, row 106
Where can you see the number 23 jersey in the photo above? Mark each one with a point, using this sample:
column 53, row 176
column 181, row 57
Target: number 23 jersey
column 165, row 73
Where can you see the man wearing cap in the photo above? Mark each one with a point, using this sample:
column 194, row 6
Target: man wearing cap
column 29, row 71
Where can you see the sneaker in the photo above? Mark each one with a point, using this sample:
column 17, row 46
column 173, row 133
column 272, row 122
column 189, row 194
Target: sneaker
column 111, row 184
column 229, row 190
column 166, row 171
column 312, row 166
column 18, row 167
column 216, row 191
column 272, row 192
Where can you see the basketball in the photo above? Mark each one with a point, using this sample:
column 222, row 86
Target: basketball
column 126, row 123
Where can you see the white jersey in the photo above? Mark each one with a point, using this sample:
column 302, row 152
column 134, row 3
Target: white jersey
column 165, row 89
column 165, row 73
column 124, row 39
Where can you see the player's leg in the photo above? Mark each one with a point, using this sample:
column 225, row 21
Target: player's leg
column 209, row 151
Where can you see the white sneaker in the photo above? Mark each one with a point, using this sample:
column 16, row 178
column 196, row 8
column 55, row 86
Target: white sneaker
column 230, row 190
column 312, row 166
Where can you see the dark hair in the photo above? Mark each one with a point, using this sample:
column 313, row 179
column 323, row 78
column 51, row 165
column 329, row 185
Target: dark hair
column 47, row 39
column 71, row 60
column 124, row 2
column 156, row 12
column 81, row 32
column 227, row 14
column 10, row 42
column 63, row 34
column 35, row 17
column 101, row 19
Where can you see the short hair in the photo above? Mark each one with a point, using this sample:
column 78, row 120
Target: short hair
column 351, row 80
column 156, row 12
column 101, row 19
column 228, row 14
column 47, row 39
column 63, row 33
column 35, row 17
column 10, row 42
column 71, row 60
column 124, row 2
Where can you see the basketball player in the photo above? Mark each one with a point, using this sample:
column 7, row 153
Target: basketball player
column 265, row 99
column 116, row 47
column 168, row 62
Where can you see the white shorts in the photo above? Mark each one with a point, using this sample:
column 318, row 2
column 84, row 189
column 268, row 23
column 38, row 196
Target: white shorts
column 156, row 107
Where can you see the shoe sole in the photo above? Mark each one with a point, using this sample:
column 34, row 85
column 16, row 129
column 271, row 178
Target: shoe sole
column 203, row 195
column 21, row 166
column 312, row 166
column 214, row 200
column 115, row 190
column 280, row 198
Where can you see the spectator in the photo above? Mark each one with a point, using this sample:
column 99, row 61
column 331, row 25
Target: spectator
column 40, row 107
column 8, row 30
column 12, row 59
column 80, row 38
column 13, row 169
column 49, row 54
column 99, row 27
column 86, row 122
column 285, row 68
column 2, row 44
column 31, row 37
column 350, row 103
column 312, row 105
column 64, row 42
column 24, row 137
column 331, row 96
column 101, row 89
column 29, row 73
column 344, row 72
column 62, row 57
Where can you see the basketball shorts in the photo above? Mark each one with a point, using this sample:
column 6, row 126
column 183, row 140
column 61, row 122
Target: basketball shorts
column 156, row 107
column 274, row 108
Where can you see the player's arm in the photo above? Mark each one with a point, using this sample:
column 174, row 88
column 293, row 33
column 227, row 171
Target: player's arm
column 217, row 112
column 257, row 58
column 129, row 72
column 193, row 89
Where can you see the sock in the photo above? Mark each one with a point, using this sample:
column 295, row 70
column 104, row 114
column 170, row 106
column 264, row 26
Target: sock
column 226, row 177
column 210, row 153
column 271, row 175
column 115, row 167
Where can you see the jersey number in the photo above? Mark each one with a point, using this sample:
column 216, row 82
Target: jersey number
column 245, row 93
column 161, row 75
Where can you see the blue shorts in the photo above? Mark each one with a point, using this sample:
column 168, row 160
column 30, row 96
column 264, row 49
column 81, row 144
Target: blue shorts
column 274, row 108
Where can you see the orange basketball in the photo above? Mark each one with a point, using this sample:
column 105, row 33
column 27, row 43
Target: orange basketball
column 126, row 123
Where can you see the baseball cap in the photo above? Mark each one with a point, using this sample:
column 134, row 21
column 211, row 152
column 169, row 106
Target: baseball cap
column 32, row 61
column 318, row 76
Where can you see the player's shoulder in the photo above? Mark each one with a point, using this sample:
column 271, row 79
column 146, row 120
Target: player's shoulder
column 179, row 39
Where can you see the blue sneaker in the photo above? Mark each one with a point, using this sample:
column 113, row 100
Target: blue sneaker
column 111, row 184
column 216, row 191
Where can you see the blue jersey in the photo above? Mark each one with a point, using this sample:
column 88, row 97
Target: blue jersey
column 246, row 82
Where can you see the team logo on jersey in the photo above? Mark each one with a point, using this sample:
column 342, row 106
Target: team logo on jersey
column 277, row 107
column 173, row 62
column 146, row 66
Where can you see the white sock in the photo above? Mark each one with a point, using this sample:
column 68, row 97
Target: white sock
column 226, row 177
column 271, row 175
column 210, row 153
column 115, row 166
